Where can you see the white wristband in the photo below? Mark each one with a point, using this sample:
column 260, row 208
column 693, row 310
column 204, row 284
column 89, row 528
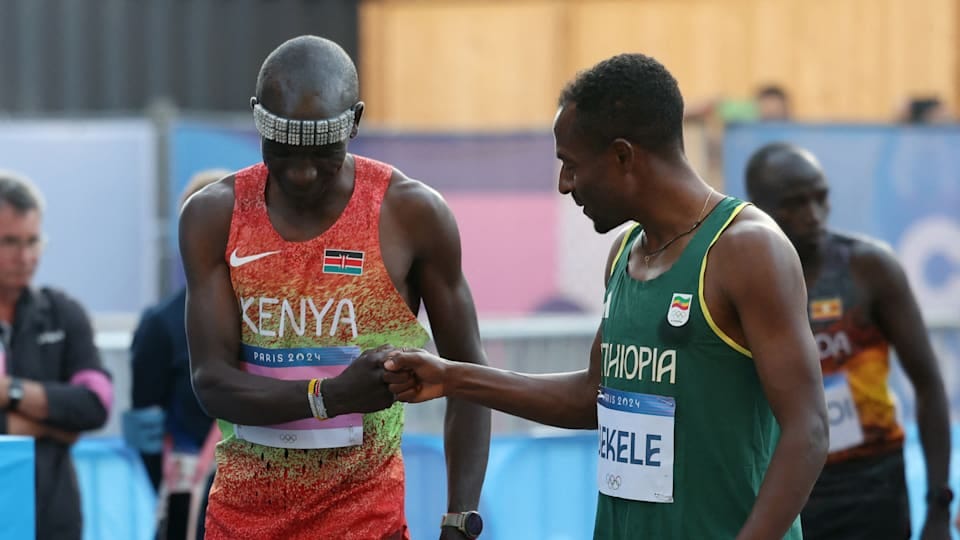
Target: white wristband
column 313, row 405
column 317, row 400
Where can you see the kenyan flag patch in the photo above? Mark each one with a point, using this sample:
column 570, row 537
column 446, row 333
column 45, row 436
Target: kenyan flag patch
column 338, row 261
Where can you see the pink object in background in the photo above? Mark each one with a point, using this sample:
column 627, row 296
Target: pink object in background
column 509, row 249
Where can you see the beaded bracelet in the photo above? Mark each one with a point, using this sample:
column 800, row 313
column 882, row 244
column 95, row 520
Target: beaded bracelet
column 315, row 395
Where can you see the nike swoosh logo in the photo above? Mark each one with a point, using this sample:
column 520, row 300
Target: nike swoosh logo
column 236, row 260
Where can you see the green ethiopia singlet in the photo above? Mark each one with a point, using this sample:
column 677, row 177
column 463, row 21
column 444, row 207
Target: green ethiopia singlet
column 686, row 433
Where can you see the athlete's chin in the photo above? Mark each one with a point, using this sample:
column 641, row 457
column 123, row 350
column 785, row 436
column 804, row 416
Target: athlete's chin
column 604, row 226
column 809, row 241
column 304, row 191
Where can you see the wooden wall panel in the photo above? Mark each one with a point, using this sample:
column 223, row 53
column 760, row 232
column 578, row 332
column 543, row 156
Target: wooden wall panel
column 464, row 64
column 840, row 59
column 497, row 64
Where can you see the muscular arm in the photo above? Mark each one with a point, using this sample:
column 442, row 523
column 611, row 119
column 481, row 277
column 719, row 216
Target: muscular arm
column 567, row 400
column 213, row 323
column 896, row 313
column 437, row 275
column 760, row 273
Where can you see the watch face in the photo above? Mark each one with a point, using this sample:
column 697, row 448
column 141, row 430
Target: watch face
column 16, row 392
column 473, row 524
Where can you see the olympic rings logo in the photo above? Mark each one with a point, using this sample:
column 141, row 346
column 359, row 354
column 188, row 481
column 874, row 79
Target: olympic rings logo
column 613, row 481
column 288, row 437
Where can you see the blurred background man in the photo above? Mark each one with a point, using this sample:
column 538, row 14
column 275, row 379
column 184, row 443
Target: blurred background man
column 53, row 385
column 167, row 425
column 860, row 305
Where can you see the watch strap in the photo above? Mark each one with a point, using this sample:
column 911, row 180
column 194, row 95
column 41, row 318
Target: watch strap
column 14, row 394
column 453, row 519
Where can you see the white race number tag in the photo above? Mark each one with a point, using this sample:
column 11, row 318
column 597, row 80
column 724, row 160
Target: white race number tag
column 636, row 445
column 845, row 428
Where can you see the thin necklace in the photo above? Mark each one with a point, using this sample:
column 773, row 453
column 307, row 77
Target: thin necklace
column 661, row 249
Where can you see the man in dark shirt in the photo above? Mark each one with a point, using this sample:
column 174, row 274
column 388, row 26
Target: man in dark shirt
column 53, row 385
column 861, row 310
column 167, row 423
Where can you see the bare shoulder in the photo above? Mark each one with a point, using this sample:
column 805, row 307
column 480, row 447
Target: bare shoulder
column 867, row 250
column 212, row 202
column 754, row 284
column 417, row 208
column 754, row 251
column 873, row 262
column 205, row 217
column 752, row 232
column 409, row 195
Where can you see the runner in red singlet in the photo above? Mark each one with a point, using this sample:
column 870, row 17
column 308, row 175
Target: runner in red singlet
column 294, row 266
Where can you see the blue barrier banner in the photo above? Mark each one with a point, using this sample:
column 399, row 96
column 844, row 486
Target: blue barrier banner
column 17, row 518
column 536, row 486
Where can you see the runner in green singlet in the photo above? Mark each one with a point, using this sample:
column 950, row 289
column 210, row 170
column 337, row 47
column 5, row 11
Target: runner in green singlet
column 703, row 380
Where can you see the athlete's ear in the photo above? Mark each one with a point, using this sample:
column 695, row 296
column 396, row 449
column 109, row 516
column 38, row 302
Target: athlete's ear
column 357, row 113
column 624, row 152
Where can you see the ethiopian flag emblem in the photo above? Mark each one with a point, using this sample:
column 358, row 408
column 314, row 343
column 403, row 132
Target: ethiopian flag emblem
column 679, row 312
column 338, row 261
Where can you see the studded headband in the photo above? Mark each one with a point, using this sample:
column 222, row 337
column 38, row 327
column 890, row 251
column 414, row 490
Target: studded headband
column 302, row 132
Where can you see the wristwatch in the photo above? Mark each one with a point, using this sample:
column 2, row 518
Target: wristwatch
column 14, row 393
column 469, row 523
column 941, row 497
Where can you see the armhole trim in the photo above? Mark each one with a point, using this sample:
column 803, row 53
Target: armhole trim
column 703, row 302
column 623, row 246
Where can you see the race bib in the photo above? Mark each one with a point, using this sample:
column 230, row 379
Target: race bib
column 636, row 445
column 845, row 428
column 300, row 364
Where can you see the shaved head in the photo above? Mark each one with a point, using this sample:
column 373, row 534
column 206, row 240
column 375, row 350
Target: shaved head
column 772, row 168
column 787, row 182
column 306, row 110
column 308, row 78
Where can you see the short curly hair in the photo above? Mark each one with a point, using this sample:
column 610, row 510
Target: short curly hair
column 632, row 96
